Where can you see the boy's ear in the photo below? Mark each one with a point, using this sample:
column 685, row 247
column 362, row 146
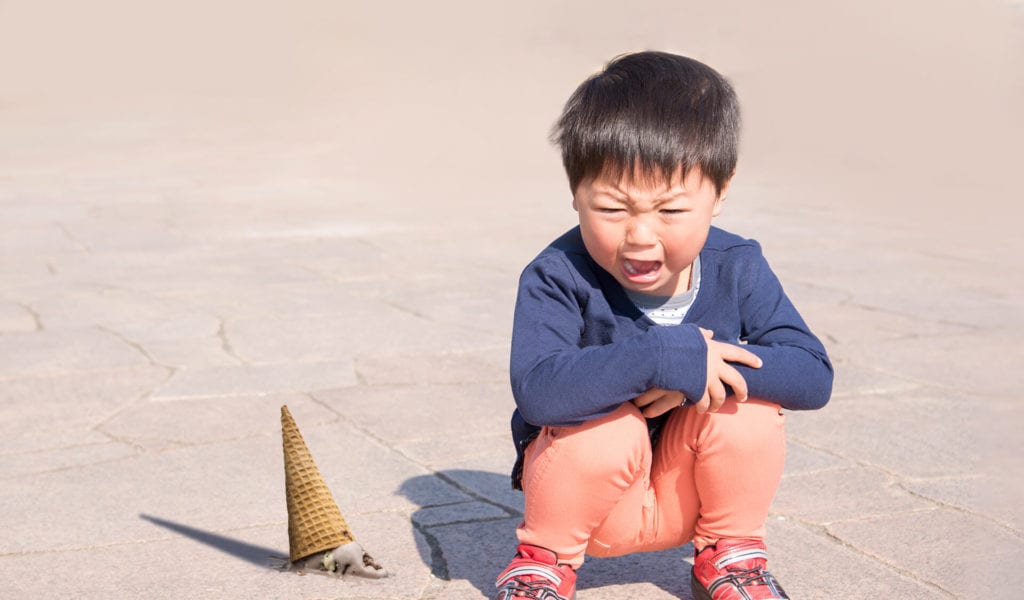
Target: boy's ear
column 575, row 205
column 722, row 195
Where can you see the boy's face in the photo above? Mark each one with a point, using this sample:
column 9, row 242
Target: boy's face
column 647, row 233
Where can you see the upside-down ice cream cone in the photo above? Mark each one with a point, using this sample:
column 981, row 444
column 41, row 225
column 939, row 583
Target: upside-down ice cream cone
column 315, row 524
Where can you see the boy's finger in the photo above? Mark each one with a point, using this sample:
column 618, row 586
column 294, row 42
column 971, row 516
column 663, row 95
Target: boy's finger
column 655, row 408
column 743, row 356
column 716, row 394
column 653, row 399
column 717, row 398
column 647, row 397
column 736, row 381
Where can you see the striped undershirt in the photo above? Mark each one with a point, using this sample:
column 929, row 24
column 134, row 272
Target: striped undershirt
column 668, row 310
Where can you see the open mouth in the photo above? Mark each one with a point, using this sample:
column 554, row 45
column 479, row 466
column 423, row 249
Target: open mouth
column 641, row 271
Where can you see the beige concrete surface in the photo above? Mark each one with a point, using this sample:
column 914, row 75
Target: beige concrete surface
column 211, row 209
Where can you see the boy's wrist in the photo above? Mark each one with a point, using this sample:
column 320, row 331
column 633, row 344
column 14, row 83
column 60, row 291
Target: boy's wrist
column 683, row 364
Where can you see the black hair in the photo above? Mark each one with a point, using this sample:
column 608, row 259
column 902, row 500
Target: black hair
column 650, row 113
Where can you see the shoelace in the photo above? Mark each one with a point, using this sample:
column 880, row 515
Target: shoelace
column 749, row 576
column 752, row 577
column 530, row 590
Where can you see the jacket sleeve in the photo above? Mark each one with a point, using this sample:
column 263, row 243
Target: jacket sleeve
column 557, row 381
column 796, row 372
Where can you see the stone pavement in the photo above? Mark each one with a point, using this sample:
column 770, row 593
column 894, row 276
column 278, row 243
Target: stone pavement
column 208, row 212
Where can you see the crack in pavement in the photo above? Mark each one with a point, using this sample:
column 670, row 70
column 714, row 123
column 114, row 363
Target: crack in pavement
column 831, row 537
column 438, row 564
column 168, row 538
column 902, row 484
column 170, row 371
column 36, row 318
column 882, row 561
column 225, row 341
column 68, row 468
column 80, row 245
column 135, row 346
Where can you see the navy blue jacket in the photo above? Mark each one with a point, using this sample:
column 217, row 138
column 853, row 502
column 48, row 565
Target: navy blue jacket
column 580, row 347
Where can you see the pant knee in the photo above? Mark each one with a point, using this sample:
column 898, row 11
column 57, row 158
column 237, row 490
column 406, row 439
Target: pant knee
column 615, row 443
column 755, row 424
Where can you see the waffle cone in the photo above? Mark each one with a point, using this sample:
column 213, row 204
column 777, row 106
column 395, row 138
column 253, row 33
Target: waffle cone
column 315, row 523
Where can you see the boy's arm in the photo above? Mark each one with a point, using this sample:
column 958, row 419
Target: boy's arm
column 796, row 371
column 556, row 382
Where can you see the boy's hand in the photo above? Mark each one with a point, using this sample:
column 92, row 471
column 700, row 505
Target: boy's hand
column 656, row 401
column 721, row 373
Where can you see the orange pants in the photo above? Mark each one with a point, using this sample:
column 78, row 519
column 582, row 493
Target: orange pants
column 599, row 489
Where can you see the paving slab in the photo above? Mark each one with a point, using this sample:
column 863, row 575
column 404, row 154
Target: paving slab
column 62, row 409
column 341, row 337
column 134, row 314
column 406, row 413
column 818, row 567
column 192, row 353
column 986, row 495
column 474, row 553
column 64, row 351
column 237, row 380
column 872, row 429
column 487, row 477
column 76, row 452
column 213, row 487
column 853, row 379
column 959, row 553
column 803, row 460
column 478, row 365
column 161, row 423
column 180, row 559
column 926, row 360
column 855, row 493
column 462, row 512
column 447, row 451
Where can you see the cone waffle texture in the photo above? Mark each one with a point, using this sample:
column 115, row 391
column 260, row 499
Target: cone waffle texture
column 315, row 523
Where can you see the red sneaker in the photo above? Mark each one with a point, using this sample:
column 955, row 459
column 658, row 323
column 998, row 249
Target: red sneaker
column 733, row 569
column 535, row 574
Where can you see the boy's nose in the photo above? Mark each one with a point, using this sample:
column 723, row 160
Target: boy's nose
column 639, row 233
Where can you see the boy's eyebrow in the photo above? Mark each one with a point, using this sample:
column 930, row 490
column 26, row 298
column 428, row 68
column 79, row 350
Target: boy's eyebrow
column 612, row 190
column 671, row 194
column 667, row 196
